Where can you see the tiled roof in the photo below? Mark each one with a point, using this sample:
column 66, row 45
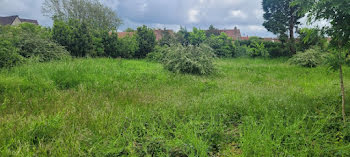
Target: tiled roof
column 124, row 34
column 29, row 21
column 8, row 20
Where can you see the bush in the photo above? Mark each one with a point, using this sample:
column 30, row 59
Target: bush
column 258, row 50
column 222, row 45
column 127, row 47
column 44, row 49
column 189, row 59
column 146, row 39
column 310, row 58
column 9, row 56
column 158, row 54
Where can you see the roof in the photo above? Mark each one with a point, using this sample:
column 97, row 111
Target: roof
column 235, row 33
column 29, row 21
column 159, row 33
column 124, row 34
column 8, row 20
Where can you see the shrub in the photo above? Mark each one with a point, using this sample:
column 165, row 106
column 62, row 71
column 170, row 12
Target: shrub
column 127, row 47
column 9, row 56
column 197, row 36
column 258, row 50
column 222, row 45
column 158, row 54
column 110, row 43
column 310, row 58
column 189, row 59
column 146, row 39
column 44, row 49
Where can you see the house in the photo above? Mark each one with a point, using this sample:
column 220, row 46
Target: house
column 15, row 20
column 235, row 33
column 159, row 33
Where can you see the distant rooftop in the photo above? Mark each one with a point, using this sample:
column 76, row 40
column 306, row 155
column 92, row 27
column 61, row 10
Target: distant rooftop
column 11, row 20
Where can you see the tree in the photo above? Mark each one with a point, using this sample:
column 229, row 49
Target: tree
column 95, row 14
column 182, row 36
column 75, row 36
column 129, row 30
column 311, row 37
column 146, row 39
column 110, row 43
column 282, row 17
column 338, row 14
column 212, row 31
column 222, row 45
column 167, row 38
column 127, row 46
column 197, row 36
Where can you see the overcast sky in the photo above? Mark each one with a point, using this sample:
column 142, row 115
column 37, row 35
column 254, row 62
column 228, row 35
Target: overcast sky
column 223, row 14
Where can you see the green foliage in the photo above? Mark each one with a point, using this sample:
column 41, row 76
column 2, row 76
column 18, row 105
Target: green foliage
column 129, row 30
column 117, row 107
column 167, row 38
column 312, row 57
column 146, row 40
column 9, row 56
column 95, row 14
column 280, row 15
column 182, row 36
column 44, row 49
column 257, row 49
column 310, row 37
column 222, row 45
column 212, row 31
column 189, row 59
column 158, row 54
column 28, row 42
column 197, row 36
column 110, row 43
column 127, row 47
column 75, row 36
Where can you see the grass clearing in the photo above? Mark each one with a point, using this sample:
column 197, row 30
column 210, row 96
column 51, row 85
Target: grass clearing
column 115, row 107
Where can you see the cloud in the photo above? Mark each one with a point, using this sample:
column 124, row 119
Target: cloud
column 193, row 16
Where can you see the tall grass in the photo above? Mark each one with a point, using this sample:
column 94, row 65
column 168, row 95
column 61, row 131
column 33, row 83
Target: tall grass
column 107, row 107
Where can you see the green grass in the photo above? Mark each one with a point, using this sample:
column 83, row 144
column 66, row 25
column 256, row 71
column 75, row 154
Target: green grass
column 106, row 107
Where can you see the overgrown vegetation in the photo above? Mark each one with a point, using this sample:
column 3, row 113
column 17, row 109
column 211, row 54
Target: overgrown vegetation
column 117, row 107
column 189, row 59
column 312, row 57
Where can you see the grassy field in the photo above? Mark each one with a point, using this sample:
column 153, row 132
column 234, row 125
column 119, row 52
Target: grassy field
column 113, row 107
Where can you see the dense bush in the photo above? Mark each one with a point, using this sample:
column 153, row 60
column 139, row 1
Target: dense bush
column 28, row 41
column 197, row 36
column 146, row 39
column 127, row 47
column 75, row 36
column 110, row 44
column 8, row 54
column 258, row 50
column 189, row 59
column 222, row 45
column 310, row 37
column 158, row 53
column 310, row 58
column 45, row 50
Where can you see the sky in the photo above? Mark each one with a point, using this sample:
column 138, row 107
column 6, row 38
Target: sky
column 247, row 15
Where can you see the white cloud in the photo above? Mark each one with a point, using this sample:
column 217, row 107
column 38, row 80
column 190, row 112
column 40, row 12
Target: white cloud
column 237, row 14
column 193, row 16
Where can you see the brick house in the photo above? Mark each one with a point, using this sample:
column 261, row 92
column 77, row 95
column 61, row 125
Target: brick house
column 15, row 20
column 235, row 33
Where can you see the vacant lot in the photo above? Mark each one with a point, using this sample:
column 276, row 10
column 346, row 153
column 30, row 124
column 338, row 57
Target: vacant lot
column 107, row 107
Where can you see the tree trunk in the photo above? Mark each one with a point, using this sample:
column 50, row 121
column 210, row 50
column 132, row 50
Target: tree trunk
column 342, row 92
column 291, row 31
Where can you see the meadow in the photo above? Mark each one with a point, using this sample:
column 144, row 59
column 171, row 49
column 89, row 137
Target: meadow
column 117, row 107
